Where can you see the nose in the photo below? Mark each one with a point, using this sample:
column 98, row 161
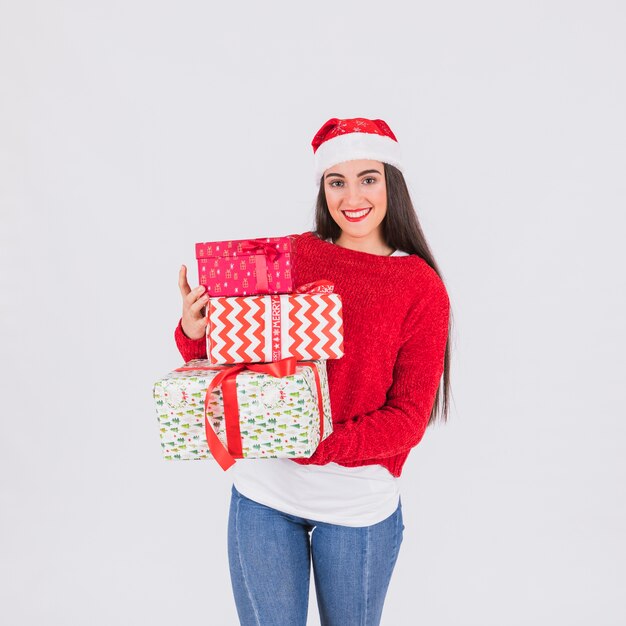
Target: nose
column 355, row 196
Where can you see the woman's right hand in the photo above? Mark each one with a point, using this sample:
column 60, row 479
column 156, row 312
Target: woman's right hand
column 194, row 321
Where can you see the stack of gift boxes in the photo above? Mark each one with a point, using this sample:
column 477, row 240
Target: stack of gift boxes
column 262, row 392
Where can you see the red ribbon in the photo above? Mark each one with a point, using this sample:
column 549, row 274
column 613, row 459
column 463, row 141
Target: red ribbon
column 260, row 246
column 276, row 327
column 320, row 400
column 225, row 456
column 319, row 286
column 262, row 250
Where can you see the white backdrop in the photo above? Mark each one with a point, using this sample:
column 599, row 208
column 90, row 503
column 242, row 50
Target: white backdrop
column 130, row 129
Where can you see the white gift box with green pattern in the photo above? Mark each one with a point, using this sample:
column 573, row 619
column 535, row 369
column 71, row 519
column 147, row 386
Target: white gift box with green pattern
column 278, row 417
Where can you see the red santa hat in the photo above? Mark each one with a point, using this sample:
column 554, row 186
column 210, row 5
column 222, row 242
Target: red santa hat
column 357, row 138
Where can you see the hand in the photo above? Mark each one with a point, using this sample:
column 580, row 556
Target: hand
column 194, row 321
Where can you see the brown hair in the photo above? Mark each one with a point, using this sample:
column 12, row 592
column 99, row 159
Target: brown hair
column 401, row 231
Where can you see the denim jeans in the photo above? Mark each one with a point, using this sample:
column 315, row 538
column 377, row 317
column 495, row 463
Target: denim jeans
column 270, row 554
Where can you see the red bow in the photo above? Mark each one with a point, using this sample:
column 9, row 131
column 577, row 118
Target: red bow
column 225, row 456
column 262, row 250
column 319, row 286
column 260, row 246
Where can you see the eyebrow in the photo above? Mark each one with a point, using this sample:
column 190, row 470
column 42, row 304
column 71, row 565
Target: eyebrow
column 359, row 174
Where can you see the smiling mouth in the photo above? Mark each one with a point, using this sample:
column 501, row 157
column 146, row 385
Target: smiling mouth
column 358, row 215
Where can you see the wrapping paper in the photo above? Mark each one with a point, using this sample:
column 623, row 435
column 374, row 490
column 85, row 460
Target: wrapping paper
column 256, row 329
column 245, row 266
column 278, row 417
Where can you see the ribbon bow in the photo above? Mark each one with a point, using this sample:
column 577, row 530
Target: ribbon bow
column 262, row 251
column 319, row 286
column 260, row 246
column 225, row 456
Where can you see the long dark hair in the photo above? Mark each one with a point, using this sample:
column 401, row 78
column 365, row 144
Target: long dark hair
column 401, row 231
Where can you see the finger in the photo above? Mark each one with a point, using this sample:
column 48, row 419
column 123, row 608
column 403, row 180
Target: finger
column 183, row 285
column 198, row 305
column 194, row 295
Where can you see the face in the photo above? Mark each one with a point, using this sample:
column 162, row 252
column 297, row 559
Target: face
column 356, row 194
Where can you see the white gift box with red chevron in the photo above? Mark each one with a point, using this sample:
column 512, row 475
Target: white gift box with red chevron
column 260, row 329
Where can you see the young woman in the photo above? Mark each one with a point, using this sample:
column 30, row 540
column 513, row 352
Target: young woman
column 341, row 508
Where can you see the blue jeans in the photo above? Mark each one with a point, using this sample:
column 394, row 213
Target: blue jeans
column 270, row 554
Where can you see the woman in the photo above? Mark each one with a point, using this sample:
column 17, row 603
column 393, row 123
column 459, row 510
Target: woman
column 341, row 508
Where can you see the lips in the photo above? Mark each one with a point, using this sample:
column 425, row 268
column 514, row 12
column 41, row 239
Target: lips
column 356, row 215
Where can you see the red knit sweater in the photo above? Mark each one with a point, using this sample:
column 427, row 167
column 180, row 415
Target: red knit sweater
column 395, row 313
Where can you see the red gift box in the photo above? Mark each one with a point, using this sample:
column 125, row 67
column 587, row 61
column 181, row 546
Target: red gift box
column 245, row 266
column 256, row 329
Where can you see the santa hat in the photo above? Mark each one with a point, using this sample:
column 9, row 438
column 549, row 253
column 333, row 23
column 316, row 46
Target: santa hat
column 358, row 138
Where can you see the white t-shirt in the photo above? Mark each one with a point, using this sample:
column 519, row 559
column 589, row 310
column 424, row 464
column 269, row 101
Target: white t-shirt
column 332, row 493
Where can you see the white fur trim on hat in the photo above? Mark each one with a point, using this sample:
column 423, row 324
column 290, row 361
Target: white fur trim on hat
column 353, row 146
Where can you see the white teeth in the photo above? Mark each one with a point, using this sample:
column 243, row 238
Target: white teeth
column 355, row 214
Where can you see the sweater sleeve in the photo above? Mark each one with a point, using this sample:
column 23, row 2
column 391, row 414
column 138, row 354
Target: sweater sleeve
column 400, row 423
column 189, row 348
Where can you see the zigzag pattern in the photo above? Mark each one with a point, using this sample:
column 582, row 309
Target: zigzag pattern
column 216, row 330
column 257, row 320
column 237, row 328
column 324, row 306
column 235, row 320
column 302, row 324
column 336, row 330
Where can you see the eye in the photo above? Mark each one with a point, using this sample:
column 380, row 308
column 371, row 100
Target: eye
column 371, row 180
column 336, row 183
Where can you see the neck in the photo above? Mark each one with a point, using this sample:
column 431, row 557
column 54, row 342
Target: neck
column 371, row 245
